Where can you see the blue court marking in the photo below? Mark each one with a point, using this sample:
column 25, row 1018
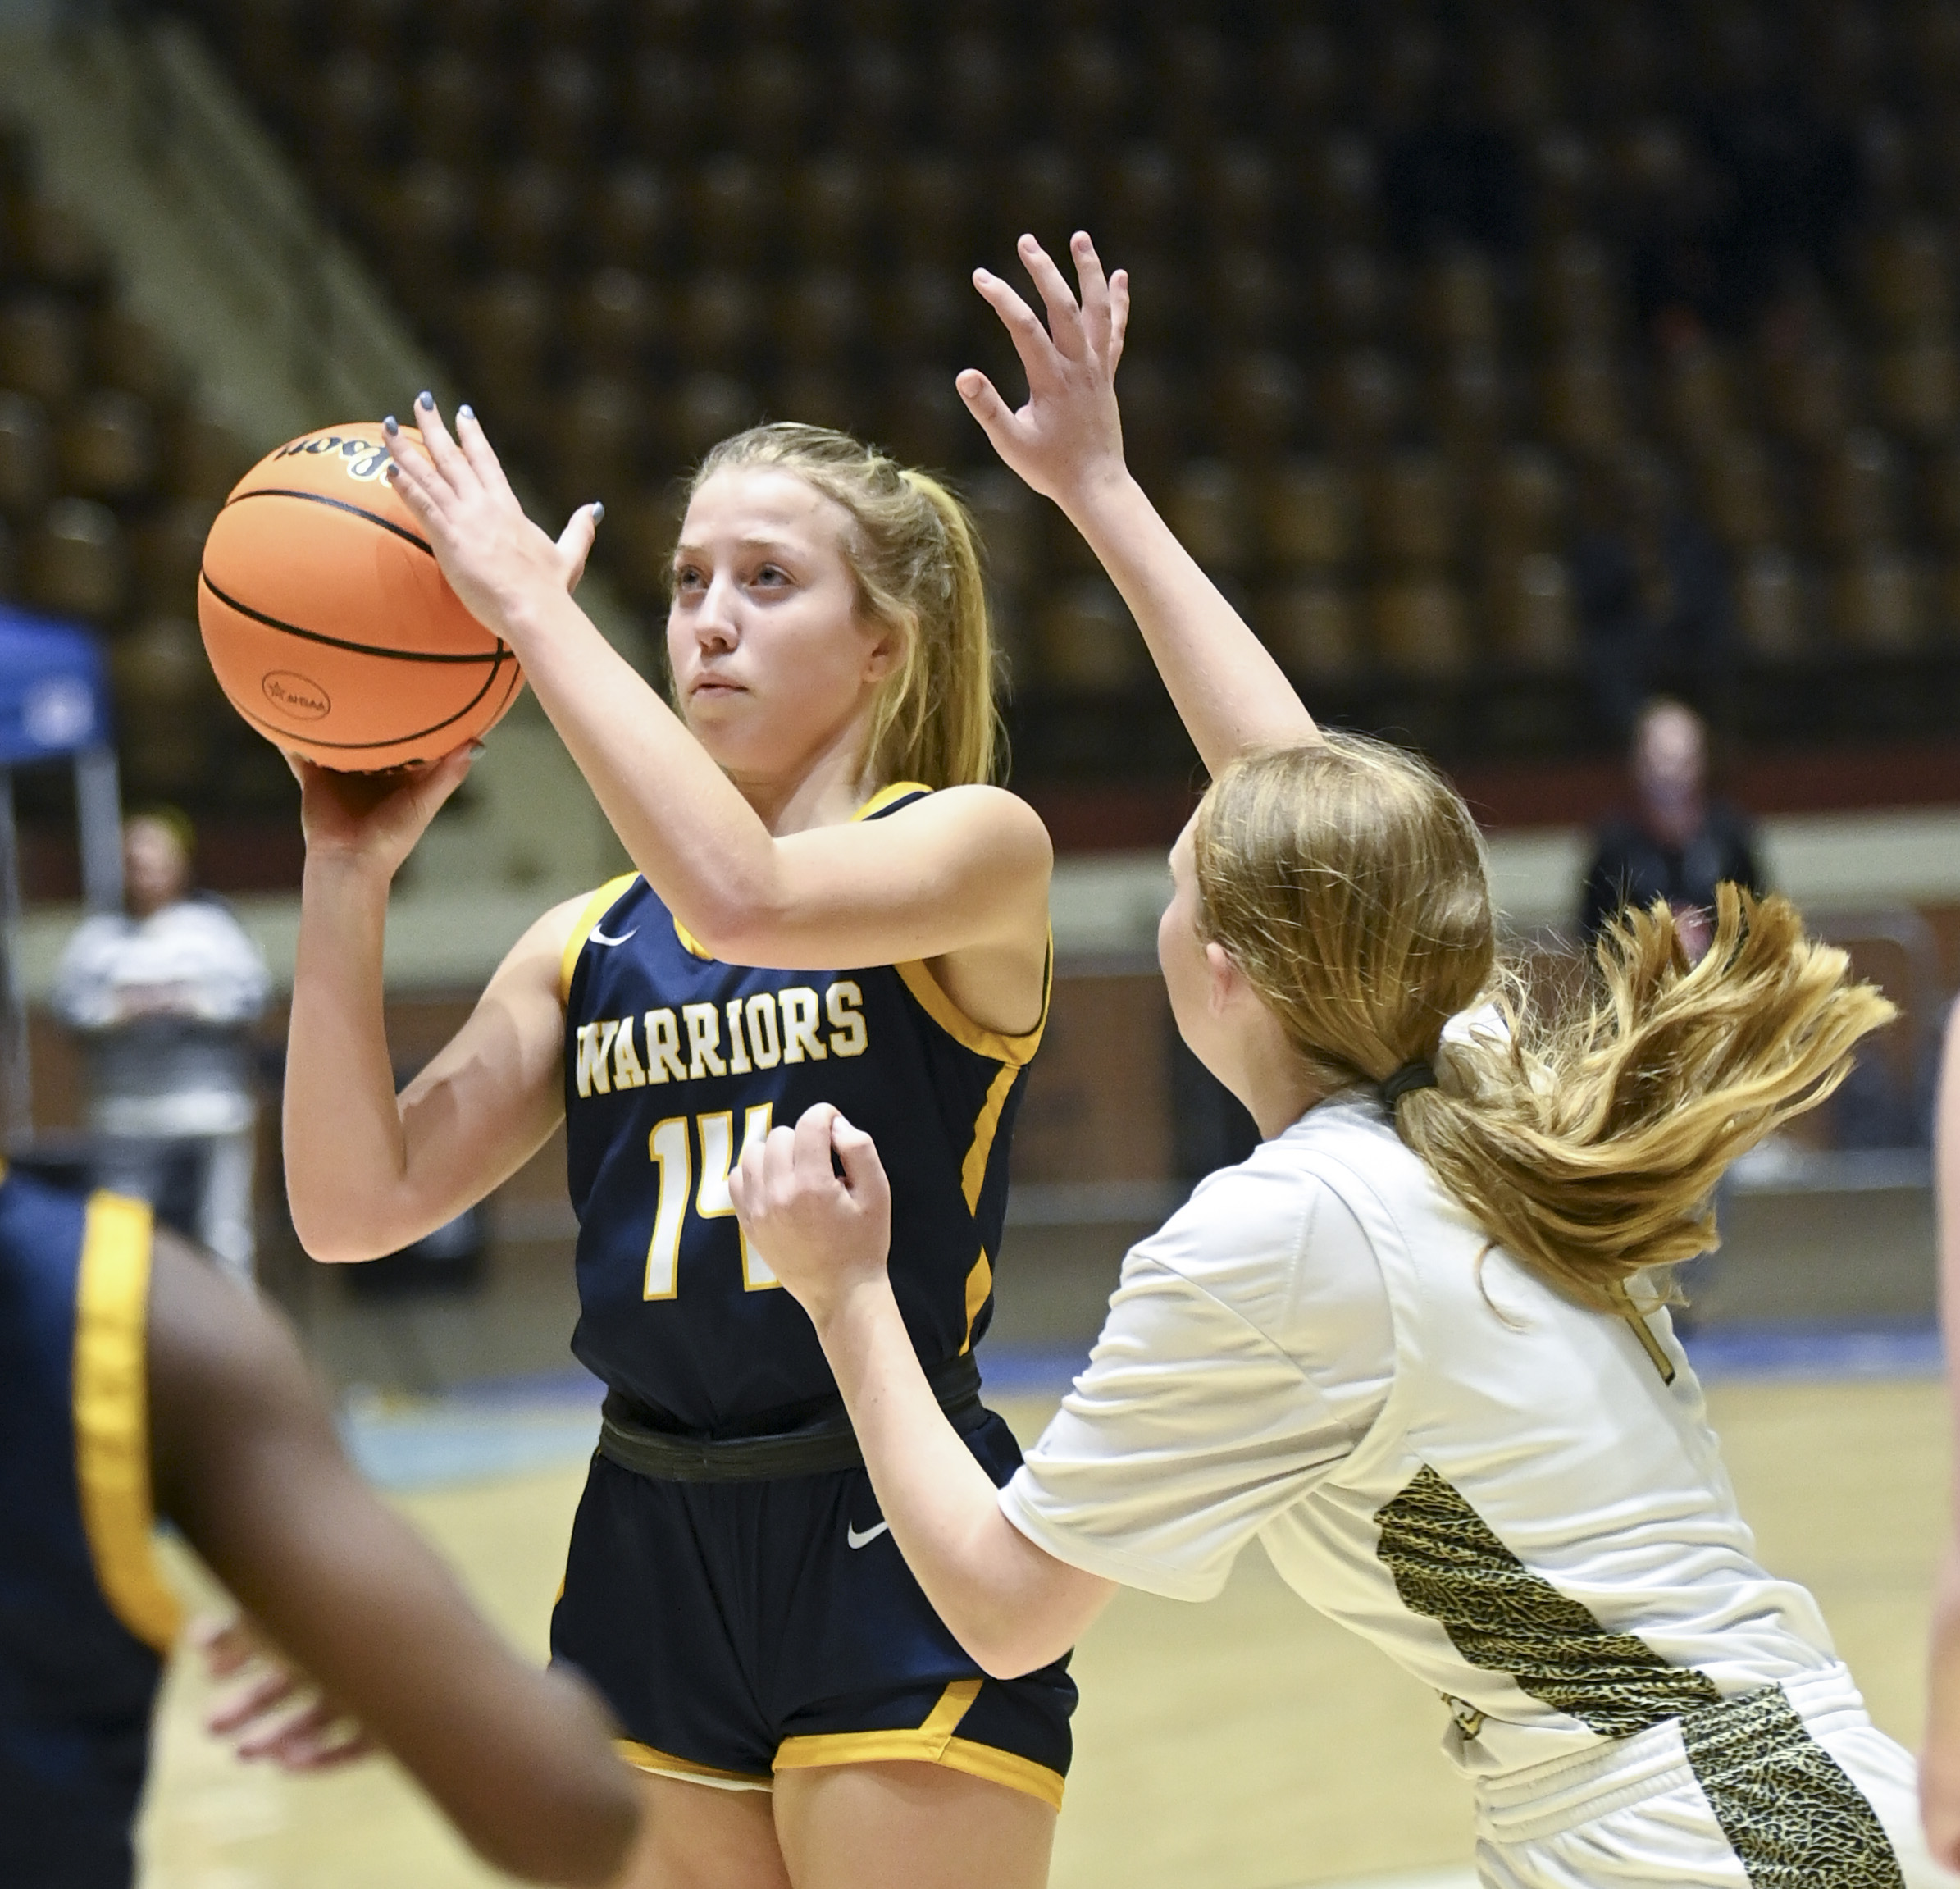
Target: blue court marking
column 1816, row 1351
column 512, row 1426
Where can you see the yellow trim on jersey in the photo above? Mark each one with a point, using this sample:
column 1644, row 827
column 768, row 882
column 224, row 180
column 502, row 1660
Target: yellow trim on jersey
column 979, row 1282
column 692, row 945
column 972, row 1172
column 885, row 797
column 933, row 1743
column 1018, row 1051
column 111, row 1416
column 594, row 908
column 646, row 1758
column 1008, row 1768
column 925, row 1746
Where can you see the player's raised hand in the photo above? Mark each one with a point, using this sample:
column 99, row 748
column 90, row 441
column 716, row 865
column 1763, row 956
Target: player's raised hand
column 1068, row 436
column 496, row 559
column 373, row 819
column 818, row 1232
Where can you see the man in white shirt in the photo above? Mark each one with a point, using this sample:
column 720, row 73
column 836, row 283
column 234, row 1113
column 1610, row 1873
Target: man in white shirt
column 164, row 999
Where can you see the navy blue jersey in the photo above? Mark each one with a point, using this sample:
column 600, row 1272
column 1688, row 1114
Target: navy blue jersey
column 673, row 1061
column 85, row 1619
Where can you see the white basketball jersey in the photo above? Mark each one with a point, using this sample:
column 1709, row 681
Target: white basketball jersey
column 1535, row 1522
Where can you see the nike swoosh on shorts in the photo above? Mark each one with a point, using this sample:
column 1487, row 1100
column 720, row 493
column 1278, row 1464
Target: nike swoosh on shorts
column 852, row 1539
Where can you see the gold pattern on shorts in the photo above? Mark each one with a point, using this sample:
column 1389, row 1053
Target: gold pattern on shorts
column 1793, row 1816
column 1789, row 1810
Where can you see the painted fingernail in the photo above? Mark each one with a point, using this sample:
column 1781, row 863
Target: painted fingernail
column 599, row 510
column 389, row 426
column 476, row 749
column 426, row 399
column 466, row 412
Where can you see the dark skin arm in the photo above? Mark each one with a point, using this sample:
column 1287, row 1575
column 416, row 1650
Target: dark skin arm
column 245, row 1461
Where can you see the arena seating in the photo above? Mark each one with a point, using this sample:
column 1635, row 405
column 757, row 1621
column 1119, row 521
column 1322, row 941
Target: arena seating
column 1425, row 296
column 110, row 474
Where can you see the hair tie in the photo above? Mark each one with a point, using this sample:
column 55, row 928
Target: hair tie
column 1410, row 1075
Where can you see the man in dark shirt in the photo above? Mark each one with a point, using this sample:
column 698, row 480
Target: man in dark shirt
column 1677, row 845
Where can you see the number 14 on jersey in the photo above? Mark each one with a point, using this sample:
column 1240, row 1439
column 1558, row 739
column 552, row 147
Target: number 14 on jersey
column 670, row 1146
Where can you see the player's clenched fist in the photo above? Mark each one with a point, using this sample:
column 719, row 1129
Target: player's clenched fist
column 820, row 1232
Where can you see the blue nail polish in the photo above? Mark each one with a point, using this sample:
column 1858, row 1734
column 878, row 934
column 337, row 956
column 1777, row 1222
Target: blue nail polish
column 466, row 412
column 599, row 510
column 389, row 425
column 425, row 399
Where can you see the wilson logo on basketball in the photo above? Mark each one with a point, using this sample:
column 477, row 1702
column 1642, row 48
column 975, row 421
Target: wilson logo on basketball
column 296, row 695
column 365, row 459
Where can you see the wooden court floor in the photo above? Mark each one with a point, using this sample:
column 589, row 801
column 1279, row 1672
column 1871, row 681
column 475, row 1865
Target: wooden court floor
column 1244, row 1743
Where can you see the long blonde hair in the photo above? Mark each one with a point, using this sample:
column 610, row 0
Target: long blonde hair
column 915, row 559
column 1348, row 881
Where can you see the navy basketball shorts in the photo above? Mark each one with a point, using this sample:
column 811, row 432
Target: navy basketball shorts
column 741, row 1628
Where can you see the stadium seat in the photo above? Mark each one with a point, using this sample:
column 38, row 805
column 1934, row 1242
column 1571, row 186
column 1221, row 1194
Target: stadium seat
column 1313, row 629
column 1366, row 399
column 77, row 563
column 1584, row 405
column 457, row 98
column 633, row 217
column 718, row 320
column 830, row 209
column 508, row 323
column 1459, row 298
column 1525, row 503
column 1309, row 513
column 1414, row 513
column 617, row 315
column 1909, row 272
column 1881, row 599
column 129, row 352
column 565, row 105
column 205, row 459
column 1355, row 294
column 527, row 217
column 1258, row 401
column 1088, row 644
column 1209, row 513
column 1918, row 386
column 1421, row 630
column 1531, row 612
column 26, row 455
column 1773, row 605
column 1742, row 493
column 734, row 206
column 168, row 548
column 107, row 446
column 709, row 407
column 168, row 705
column 1858, row 493
column 41, row 348
column 1472, row 400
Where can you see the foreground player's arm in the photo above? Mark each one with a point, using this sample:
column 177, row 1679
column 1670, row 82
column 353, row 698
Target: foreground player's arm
column 967, row 868
column 1940, row 1761
column 1067, row 443
column 246, row 1463
column 1012, row 1605
column 367, row 1171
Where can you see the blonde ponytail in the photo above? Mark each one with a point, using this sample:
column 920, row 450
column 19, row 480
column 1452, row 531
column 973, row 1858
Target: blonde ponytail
column 1347, row 881
column 915, row 557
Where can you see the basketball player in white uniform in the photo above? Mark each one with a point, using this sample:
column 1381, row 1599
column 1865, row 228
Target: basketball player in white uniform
column 1416, row 1342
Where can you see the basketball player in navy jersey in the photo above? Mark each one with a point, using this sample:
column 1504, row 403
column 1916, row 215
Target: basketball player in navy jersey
column 128, row 1366
column 831, row 903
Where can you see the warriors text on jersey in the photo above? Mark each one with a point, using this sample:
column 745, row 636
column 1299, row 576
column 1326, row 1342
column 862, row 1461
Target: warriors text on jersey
column 84, row 1617
column 674, row 1062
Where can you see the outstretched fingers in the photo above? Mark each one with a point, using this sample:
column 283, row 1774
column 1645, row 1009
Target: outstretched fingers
column 1039, row 358
column 1120, row 316
column 444, row 454
column 984, row 403
column 480, row 455
column 1095, row 292
column 1064, row 318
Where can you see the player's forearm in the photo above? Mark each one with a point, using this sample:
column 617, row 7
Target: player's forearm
column 341, row 1130
column 1005, row 1601
column 1230, row 694
column 699, row 844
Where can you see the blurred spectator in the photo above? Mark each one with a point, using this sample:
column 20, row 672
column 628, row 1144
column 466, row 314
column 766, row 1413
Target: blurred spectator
column 1678, row 844
column 1651, row 589
column 164, row 1000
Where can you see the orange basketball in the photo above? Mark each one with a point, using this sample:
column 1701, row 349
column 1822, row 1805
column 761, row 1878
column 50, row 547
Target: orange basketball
column 328, row 620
